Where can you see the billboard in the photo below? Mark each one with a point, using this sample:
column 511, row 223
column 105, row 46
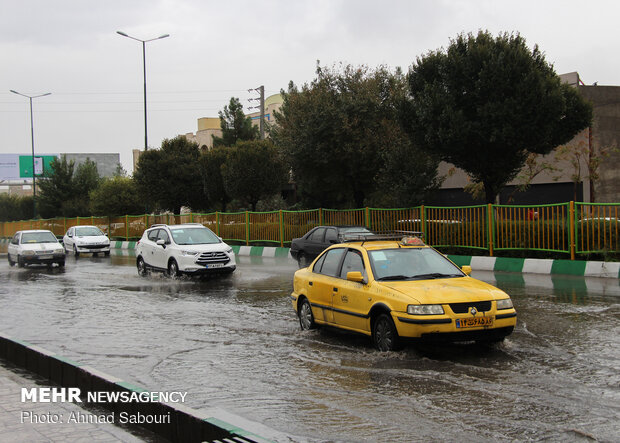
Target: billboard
column 18, row 166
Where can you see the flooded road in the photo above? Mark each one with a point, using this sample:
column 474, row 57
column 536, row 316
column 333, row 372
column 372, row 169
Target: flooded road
column 235, row 344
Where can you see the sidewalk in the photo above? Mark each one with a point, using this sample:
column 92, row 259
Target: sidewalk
column 16, row 427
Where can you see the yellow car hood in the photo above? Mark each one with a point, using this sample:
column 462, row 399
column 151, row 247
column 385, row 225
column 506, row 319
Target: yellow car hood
column 445, row 290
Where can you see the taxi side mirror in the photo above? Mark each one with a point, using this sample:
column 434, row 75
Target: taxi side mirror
column 355, row 276
column 466, row 269
column 162, row 243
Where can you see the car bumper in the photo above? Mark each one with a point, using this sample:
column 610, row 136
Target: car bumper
column 445, row 327
column 92, row 248
column 188, row 265
column 43, row 259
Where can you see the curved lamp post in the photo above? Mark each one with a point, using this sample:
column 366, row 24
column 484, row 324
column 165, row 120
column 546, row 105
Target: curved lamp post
column 34, row 180
column 144, row 66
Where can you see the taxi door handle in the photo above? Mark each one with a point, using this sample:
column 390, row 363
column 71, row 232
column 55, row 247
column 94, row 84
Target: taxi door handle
column 335, row 289
column 310, row 283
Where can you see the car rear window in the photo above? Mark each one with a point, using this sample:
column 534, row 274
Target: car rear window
column 332, row 262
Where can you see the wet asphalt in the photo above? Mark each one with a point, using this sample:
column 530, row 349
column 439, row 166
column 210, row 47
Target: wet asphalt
column 234, row 343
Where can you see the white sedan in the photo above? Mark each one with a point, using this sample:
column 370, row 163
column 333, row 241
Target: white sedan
column 35, row 247
column 85, row 238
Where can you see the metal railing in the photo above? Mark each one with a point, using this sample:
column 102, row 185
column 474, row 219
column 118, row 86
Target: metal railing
column 571, row 228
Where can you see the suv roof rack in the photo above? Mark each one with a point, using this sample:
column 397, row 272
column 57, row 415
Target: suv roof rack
column 379, row 236
column 157, row 224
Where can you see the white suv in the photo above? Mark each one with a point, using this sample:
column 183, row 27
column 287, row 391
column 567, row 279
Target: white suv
column 189, row 249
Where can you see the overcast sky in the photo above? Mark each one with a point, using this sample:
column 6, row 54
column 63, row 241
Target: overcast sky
column 220, row 49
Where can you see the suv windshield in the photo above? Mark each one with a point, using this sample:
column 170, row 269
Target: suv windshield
column 88, row 230
column 38, row 237
column 411, row 264
column 194, row 236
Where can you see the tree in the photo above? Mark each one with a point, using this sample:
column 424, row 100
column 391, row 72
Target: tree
column 116, row 196
column 588, row 154
column 252, row 171
column 170, row 178
column 338, row 133
column 64, row 189
column 486, row 103
column 211, row 165
column 235, row 125
column 14, row 207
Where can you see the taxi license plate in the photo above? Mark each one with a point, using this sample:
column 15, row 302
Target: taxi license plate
column 474, row 322
column 215, row 265
column 46, row 256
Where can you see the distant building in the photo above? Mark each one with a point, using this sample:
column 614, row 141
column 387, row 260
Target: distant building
column 211, row 126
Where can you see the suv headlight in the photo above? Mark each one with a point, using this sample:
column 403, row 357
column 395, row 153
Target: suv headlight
column 189, row 253
column 59, row 251
column 504, row 303
column 229, row 250
column 425, row 309
column 28, row 252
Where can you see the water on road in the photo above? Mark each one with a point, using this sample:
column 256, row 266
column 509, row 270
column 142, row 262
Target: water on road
column 235, row 344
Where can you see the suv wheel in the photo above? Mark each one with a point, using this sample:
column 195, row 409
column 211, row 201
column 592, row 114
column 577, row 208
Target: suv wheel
column 173, row 268
column 11, row 262
column 75, row 251
column 141, row 267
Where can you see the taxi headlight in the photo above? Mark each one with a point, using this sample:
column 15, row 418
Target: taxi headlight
column 59, row 251
column 504, row 303
column 28, row 252
column 425, row 309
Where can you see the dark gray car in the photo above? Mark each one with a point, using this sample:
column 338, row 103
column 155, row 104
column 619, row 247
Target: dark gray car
column 308, row 247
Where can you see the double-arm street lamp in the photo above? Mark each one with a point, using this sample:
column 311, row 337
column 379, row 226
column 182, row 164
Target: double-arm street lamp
column 144, row 66
column 34, row 180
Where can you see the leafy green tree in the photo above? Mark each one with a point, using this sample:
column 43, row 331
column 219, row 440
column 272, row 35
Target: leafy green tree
column 116, row 196
column 235, row 125
column 170, row 178
column 253, row 170
column 485, row 103
column 211, row 162
column 64, row 189
column 15, row 207
column 337, row 133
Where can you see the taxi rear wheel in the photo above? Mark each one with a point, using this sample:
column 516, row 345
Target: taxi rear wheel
column 306, row 319
column 384, row 334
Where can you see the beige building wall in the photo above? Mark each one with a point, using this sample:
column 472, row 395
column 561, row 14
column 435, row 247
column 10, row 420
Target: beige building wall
column 211, row 126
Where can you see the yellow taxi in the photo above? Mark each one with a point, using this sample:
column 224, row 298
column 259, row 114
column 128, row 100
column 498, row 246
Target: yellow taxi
column 395, row 287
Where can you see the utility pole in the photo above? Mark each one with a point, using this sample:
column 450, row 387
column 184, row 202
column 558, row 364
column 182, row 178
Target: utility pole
column 261, row 108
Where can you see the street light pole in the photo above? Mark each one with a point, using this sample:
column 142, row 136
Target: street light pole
column 34, row 175
column 146, row 145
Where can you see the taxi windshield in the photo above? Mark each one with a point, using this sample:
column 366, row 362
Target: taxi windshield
column 194, row 236
column 38, row 237
column 411, row 264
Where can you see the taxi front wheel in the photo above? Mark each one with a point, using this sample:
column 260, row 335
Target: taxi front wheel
column 384, row 334
column 306, row 319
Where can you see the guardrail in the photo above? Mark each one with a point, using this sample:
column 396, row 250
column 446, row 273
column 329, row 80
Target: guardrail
column 571, row 228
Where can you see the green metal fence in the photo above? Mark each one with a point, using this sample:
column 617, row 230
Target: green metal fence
column 571, row 228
